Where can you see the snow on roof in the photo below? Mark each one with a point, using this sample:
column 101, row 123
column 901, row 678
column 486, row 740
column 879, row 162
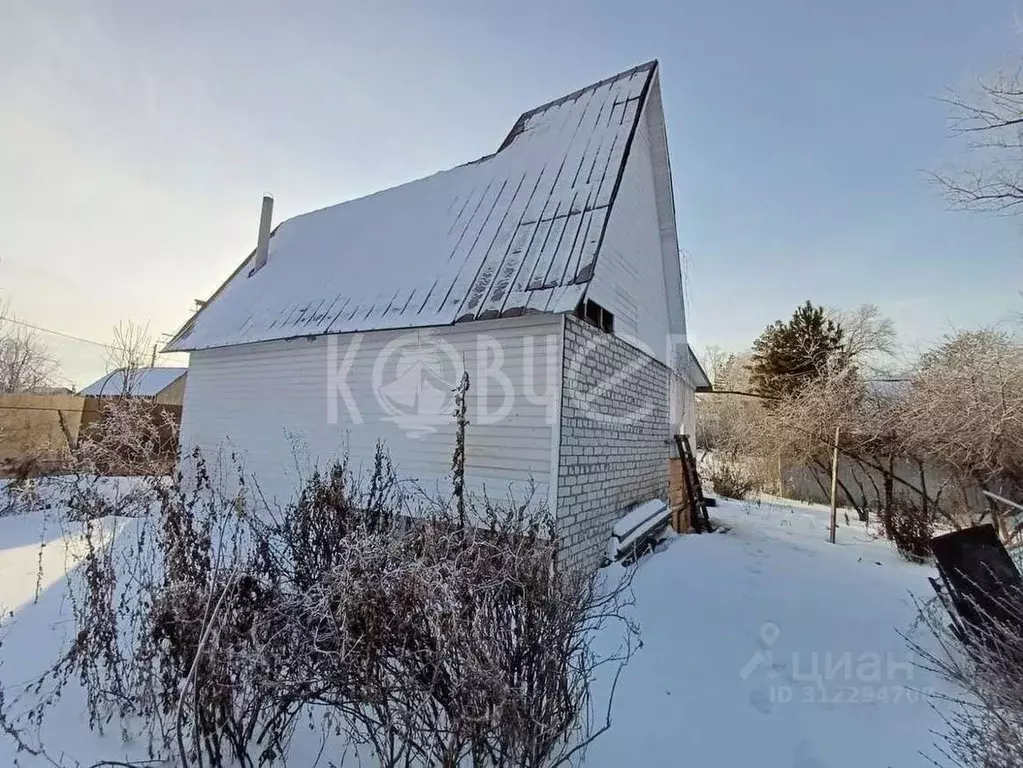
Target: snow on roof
column 145, row 382
column 514, row 232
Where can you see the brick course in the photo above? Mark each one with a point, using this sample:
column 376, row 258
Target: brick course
column 613, row 449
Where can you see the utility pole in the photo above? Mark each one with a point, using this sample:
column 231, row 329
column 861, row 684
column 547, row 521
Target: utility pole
column 834, row 488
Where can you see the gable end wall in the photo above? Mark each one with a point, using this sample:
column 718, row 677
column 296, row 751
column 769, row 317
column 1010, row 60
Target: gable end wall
column 629, row 279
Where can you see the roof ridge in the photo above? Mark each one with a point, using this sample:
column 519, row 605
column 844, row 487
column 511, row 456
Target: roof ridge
column 520, row 123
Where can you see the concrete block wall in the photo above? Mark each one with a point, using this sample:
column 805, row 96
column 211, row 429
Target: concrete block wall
column 30, row 427
column 613, row 449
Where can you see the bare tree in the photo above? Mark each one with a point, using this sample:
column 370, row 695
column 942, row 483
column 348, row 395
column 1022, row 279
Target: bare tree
column 25, row 360
column 870, row 338
column 722, row 419
column 717, row 362
column 130, row 352
column 988, row 119
column 915, row 452
column 964, row 410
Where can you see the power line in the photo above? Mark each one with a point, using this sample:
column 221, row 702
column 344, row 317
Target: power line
column 71, row 336
column 57, row 333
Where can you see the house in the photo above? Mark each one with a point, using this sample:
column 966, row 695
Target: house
column 548, row 271
column 162, row 385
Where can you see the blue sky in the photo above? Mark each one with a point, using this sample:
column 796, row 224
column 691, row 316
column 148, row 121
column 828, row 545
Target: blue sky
column 137, row 138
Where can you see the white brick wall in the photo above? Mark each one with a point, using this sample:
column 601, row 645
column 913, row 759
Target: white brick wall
column 613, row 449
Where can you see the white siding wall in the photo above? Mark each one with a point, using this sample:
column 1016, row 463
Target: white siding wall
column 252, row 397
column 629, row 278
column 683, row 406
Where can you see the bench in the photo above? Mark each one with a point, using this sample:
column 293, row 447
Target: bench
column 637, row 530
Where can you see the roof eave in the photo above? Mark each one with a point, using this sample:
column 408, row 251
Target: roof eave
column 703, row 384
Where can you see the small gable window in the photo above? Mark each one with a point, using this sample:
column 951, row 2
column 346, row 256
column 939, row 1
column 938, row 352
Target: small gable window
column 594, row 314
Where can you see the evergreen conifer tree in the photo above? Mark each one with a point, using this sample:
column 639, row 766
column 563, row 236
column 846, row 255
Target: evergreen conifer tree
column 789, row 355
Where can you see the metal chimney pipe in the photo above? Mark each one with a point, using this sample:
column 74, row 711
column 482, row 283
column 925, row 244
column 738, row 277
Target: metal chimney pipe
column 263, row 241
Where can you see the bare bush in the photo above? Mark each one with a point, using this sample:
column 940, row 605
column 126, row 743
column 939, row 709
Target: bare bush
column 133, row 436
column 216, row 625
column 733, row 481
column 910, row 525
column 983, row 666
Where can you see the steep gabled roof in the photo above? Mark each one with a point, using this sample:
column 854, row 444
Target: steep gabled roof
column 145, row 382
column 514, row 232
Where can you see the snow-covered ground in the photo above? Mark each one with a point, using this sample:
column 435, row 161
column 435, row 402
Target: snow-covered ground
column 767, row 646
column 761, row 646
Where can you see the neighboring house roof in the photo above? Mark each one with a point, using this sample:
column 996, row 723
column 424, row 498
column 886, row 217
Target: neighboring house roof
column 146, row 382
column 514, row 232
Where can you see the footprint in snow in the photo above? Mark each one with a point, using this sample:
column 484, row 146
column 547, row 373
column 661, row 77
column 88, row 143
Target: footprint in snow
column 803, row 758
column 760, row 700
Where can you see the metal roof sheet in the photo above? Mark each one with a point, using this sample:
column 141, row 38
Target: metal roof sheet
column 145, row 382
column 514, row 232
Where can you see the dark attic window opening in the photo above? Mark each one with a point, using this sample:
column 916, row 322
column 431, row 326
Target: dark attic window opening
column 596, row 315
